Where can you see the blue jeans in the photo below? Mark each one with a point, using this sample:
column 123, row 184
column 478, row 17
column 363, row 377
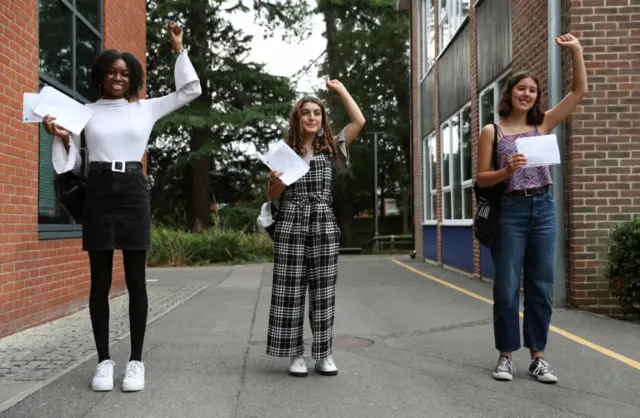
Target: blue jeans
column 527, row 240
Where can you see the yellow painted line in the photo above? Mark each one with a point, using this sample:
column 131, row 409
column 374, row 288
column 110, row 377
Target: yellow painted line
column 626, row 360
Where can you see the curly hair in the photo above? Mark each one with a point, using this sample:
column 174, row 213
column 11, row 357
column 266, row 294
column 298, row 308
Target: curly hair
column 323, row 143
column 535, row 115
column 102, row 65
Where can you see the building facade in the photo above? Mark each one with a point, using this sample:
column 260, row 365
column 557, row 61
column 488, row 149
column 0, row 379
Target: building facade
column 462, row 54
column 44, row 274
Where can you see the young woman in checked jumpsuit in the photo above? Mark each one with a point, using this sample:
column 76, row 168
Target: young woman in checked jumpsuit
column 307, row 238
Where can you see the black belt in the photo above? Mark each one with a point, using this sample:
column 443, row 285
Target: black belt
column 117, row 166
column 536, row 191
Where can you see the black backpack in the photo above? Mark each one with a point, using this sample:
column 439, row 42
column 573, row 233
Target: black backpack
column 485, row 224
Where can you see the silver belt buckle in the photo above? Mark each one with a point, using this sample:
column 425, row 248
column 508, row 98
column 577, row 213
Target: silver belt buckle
column 114, row 166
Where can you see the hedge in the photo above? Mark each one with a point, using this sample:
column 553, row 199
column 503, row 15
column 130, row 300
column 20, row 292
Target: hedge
column 170, row 247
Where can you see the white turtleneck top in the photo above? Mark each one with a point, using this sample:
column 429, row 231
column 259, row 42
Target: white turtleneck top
column 119, row 130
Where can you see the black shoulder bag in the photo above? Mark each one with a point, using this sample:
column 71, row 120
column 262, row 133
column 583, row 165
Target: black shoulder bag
column 70, row 188
column 485, row 225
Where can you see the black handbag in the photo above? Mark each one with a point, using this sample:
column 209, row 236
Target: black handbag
column 485, row 224
column 71, row 188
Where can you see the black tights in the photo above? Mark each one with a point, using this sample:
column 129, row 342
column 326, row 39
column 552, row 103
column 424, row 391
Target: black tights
column 134, row 271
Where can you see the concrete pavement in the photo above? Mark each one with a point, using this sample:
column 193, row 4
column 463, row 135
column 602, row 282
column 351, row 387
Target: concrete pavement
column 411, row 341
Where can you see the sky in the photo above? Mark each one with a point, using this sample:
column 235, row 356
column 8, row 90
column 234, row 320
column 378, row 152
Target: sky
column 283, row 58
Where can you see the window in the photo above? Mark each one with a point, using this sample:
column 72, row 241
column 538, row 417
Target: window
column 70, row 37
column 429, row 178
column 428, row 44
column 456, row 166
column 452, row 14
column 490, row 100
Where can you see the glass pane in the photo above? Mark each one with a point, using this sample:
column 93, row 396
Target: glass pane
column 503, row 82
column 457, row 203
column 90, row 10
column 445, row 144
column 455, row 150
column 425, row 179
column 432, row 162
column 446, row 205
column 445, row 33
column 49, row 209
column 87, row 48
column 464, row 9
column 468, row 203
column 486, row 107
column 467, row 144
column 55, row 41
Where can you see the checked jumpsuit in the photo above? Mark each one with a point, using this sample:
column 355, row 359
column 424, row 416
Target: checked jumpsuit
column 306, row 246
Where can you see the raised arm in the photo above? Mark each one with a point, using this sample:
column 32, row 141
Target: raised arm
column 579, row 86
column 356, row 118
column 187, row 82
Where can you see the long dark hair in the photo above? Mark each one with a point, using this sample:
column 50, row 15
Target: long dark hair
column 323, row 143
column 102, row 65
column 535, row 116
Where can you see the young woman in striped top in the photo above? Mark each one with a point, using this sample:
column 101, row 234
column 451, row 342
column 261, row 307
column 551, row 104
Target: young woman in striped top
column 527, row 222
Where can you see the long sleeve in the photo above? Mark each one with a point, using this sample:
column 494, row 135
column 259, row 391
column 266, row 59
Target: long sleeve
column 187, row 89
column 63, row 161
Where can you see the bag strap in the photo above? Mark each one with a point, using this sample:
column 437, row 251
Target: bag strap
column 83, row 153
column 494, row 156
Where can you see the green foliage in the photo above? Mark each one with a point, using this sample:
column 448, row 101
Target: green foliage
column 172, row 247
column 239, row 218
column 196, row 154
column 623, row 267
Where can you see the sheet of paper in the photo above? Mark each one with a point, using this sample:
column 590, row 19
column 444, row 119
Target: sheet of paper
column 69, row 114
column 29, row 101
column 282, row 158
column 539, row 150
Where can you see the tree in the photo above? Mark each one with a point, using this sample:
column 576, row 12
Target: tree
column 194, row 152
column 368, row 50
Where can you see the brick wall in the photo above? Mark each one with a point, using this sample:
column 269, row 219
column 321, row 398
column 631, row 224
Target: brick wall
column 40, row 280
column 604, row 179
column 475, row 123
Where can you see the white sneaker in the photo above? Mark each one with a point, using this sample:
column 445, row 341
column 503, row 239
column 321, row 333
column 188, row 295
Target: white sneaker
column 327, row 366
column 103, row 378
column 298, row 366
column 133, row 377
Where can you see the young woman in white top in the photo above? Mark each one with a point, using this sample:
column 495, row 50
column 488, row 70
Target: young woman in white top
column 116, row 214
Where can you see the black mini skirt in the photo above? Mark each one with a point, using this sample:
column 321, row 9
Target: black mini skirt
column 117, row 213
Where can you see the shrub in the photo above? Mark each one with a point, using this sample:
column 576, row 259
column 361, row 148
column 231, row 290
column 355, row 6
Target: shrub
column 623, row 267
column 240, row 218
column 170, row 247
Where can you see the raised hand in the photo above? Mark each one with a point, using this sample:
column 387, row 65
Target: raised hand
column 569, row 41
column 55, row 129
column 175, row 33
column 335, row 86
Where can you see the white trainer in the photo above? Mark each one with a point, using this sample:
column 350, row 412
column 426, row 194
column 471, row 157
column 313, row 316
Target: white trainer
column 298, row 366
column 133, row 377
column 103, row 378
column 327, row 366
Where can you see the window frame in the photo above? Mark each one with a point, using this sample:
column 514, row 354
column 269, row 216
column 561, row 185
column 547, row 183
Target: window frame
column 495, row 85
column 428, row 194
column 464, row 183
column 71, row 230
column 427, row 60
column 455, row 19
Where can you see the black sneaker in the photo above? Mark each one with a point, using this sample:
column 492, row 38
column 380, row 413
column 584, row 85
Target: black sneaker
column 504, row 369
column 541, row 371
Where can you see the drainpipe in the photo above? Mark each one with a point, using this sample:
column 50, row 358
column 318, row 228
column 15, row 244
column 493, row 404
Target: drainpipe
column 554, row 13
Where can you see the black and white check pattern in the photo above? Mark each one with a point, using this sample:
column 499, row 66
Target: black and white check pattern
column 306, row 246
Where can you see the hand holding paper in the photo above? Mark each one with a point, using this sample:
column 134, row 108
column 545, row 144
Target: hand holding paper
column 539, row 150
column 69, row 114
column 282, row 158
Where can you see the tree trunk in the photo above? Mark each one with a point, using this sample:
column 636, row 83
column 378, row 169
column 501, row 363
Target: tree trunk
column 200, row 174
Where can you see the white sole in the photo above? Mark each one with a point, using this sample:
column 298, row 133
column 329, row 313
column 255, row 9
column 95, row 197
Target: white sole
column 504, row 377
